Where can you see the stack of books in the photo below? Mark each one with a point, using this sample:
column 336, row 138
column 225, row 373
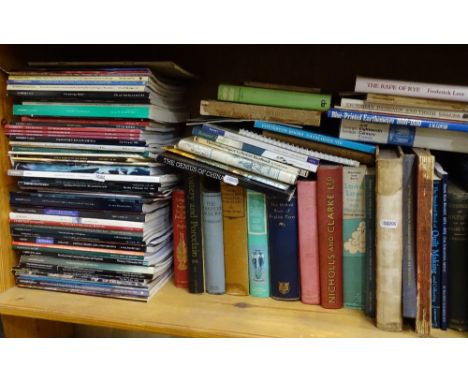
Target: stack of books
column 335, row 221
column 91, row 213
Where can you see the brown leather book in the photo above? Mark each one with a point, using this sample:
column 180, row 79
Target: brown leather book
column 363, row 158
column 235, row 240
column 330, row 234
column 423, row 198
column 389, row 238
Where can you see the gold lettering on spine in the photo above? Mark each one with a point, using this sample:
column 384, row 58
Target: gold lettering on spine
column 331, row 264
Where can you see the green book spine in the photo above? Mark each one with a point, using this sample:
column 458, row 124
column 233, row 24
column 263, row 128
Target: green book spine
column 257, row 238
column 354, row 236
column 95, row 111
column 274, row 97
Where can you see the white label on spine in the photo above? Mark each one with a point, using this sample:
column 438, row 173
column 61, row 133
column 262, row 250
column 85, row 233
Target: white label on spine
column 388, row 223
column 230, row 180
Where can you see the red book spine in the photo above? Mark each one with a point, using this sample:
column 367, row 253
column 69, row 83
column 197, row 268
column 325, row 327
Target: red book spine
column 330, row 230
column 179, row 226
column 308, row 241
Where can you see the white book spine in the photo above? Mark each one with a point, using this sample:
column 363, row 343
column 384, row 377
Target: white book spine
column 132, row 149
column 412, row 89
column 78, row 88
column 77, row 220
column 297, row 149
column 96, row 177
column 258, row 158
column 246, row 164
column 360, row 105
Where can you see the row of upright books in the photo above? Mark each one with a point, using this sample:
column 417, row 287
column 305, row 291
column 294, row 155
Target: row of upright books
column 91, row 210
column 324, row 219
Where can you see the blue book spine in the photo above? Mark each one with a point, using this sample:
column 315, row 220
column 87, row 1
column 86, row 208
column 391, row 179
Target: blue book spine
column 213, row 242
column 79, row 83
column 257, row 239
column 304, row 134
column 444, row 255
column 284, row 248
column 394, row 120
column 436, row 268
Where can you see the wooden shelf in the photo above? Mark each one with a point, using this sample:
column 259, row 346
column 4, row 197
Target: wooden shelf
column 175, row 312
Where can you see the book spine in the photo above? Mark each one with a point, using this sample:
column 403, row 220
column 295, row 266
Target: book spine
column 213, row 242
column 223, row 173
column 80, row 82
column 283, row 244
column 304, row 134
column 263, row 113
column 354, row 236
column 273, row 97
column 435, row 254
column 194, row 234
column 370, row 276
column 71, row 122
column 80, row 225
column 17, row 216
column 257, row 231
column 308, row 241
column 111, row 215
column 236, row 161
column 389, row 243
column 236, row 256
column 411, row 89
column 211, row 142
column 76, row 201
column 330, row 229
column 77, row 88
column 457, row 243
column 412, row 111
column 75, row 146
column 423, row 195
column 81, row 95
column 82, row 141
column 256, row 146
column 179, row 225
column 399, row 121
column 94, row 111
column 409, row 237
column 444, row 255
column 13, row 78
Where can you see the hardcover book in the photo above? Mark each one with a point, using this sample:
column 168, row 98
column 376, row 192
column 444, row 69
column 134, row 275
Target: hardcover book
column 235, row 239
column 284, row 263
column 330, row 223
column 193, row 213
column 458, row 261
column 436, row 251
column 213, row 244
column 354, row 235
column 179, row 225
column 423, row 198
column 370, row 270
column 389, row 239
column 308, row 241
column 259, row 259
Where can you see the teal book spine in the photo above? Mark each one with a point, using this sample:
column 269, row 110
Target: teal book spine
column 354, row 236
column 94, row 111
column 215, row 281
column 257, row 231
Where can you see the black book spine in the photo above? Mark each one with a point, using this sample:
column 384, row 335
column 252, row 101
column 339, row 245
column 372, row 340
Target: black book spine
column 284, row 248
column 111, row 215
column 85, row 256
column 75, row 201
column 79, row 96
column 57, row 240
column 370, row 280
column 205, row 170
column 458, row 259
column 194, row 234
column 81, row 141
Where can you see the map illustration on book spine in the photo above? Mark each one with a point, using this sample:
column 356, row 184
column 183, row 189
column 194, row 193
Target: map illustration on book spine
column 259, row 271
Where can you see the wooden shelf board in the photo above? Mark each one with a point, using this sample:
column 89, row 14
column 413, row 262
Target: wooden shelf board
column 175, row 312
